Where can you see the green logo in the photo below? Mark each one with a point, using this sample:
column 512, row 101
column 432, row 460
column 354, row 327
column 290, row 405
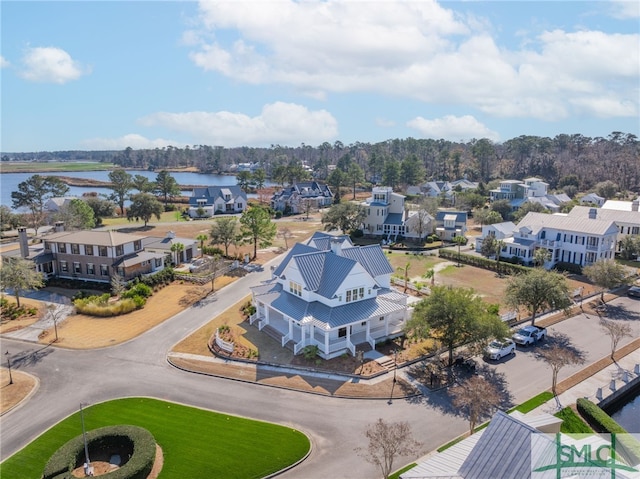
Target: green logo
column 580, row 455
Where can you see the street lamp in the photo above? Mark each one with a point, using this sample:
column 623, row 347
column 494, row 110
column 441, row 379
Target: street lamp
column 9, row 367
column 87, row 463
column 395, row 364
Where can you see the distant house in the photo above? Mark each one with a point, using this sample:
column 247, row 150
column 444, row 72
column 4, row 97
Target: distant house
column 330, row 294
column 591, row 199
column 296, row 198
column 95, row 256
column 212, row 200
column 450, row 224
column 55, row 204
column 531, row 190
column 159, row 245
column 500, row 231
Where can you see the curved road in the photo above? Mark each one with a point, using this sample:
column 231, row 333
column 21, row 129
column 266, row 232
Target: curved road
column 335, row 426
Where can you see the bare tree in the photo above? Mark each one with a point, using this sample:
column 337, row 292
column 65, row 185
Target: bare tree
column 606, row 274
column 57, row 312
column 616, row 331
column 558, row 356
column 477, row 397
column 386, row 442
column 118, row 284
column 285, row 233
column 214, row 266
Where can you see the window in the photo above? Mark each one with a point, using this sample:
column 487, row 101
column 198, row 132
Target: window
column 355, row 294
column 635, row 230
column 104, row 270
column 64, row 267
column 342, row 332
column 102, row 250
column 119, row 250
column 62, row 248
column 75, row 249
column 158, row 262
column 76, row 268
column 47, row 245
column 137, row 245
column 88, row 250
column 239, row 206
column 295, row 288
column 91, row 269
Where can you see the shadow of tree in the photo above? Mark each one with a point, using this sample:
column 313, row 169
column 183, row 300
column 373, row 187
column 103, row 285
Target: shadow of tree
column 563, row 341
column 30, row 357
column 620, row 312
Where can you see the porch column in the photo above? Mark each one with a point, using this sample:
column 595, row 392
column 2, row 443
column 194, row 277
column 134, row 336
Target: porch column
column 386, row 325
column 303, row 328
column 290, row 321
column 368, row 328
column 266, row 314
column 326, row 342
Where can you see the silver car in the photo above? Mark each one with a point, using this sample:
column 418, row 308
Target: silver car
column 498, row 349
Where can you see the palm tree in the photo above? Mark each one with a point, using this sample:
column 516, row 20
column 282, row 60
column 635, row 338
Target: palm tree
column 459, row 240
column 406, row 275
column 202, row 237
column 430, row 274
column 177, row 248
column 500, row 244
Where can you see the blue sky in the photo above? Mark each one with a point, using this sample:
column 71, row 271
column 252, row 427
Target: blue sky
column 107, row 75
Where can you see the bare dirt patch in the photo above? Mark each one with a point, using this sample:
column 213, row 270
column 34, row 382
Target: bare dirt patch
column 25, row 321
column 85, row 332
column 12, row 394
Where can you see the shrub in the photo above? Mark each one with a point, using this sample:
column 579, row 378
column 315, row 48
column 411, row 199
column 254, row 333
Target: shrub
column 139, row 289
column 600, row 421
column 104, row 440
column 11, row 311
column 429, row 239
column 278, row 215
column 310, row 352
column 212, row 251
column 357, row 233
column 100, row 306
column 569, row 267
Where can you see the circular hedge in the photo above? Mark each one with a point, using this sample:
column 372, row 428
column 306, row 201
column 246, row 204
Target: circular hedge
column 138, row 442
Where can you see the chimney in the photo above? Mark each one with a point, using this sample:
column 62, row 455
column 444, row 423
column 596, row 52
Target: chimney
column 406, row 214
column 24, row 242
column 336, row 246
column 634, row 204
column 593, row 213
column 59, row 226
column 171, row 234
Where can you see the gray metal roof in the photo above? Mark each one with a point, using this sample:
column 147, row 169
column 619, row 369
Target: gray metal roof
column 324, row 271
column 371, row 257
column 393, row 219
column 582, row 212
column 93, row 237
column 327, row 317
column 538, row 221
column 137, row 258
column 298, row 248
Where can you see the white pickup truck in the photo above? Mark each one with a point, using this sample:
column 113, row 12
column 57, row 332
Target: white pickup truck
column 529, row 335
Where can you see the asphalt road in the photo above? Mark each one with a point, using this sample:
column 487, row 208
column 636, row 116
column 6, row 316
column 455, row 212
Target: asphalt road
column 335, row 426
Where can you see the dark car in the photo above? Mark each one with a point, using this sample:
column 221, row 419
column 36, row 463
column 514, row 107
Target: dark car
column 634, row 292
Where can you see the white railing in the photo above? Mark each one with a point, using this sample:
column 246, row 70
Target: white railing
column 300, row 346
column 285, row 339
column 252, row 318
column 261, row 324
column 222, row 344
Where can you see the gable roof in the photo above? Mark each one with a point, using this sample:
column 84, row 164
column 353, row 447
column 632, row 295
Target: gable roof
column 324, row 271
column 371, row 257
column 506, row 227
column 298, row 248
column 322, row 241
column 537, row 221
column 604, row 214
column 460, row 216
column 213, row 192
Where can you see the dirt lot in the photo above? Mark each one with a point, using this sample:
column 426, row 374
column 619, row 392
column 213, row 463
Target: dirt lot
column 12, row 394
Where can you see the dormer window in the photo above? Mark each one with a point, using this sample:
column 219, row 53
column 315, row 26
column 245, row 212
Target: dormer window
column 355, row 294
column 295, row 288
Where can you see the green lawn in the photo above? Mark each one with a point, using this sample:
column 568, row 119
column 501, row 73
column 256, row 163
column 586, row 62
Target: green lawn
column 53, row 166
column 534, row 402
column 195, row 443
column 165, row 217
column 572, row 423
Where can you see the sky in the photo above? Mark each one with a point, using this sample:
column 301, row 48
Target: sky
column 88, row 75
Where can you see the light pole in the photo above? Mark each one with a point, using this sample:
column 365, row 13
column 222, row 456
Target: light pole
column 9, row 367
column 395, row 364
column 87, row 464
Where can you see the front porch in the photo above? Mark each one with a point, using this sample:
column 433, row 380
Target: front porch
column 331, row 343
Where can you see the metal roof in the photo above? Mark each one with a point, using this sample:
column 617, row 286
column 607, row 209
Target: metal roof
column 538, row 221
column 582, row 212
column 393, row 219
column 371, row 257
column 93, row 237
column 298, row 248
column 324, row 271
column 137, row 258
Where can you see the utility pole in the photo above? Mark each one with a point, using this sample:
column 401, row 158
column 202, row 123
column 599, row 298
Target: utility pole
column 9, row 367
column 87, row 463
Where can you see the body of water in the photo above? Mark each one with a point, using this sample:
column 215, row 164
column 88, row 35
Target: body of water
column 9, row 181
column 628, row 416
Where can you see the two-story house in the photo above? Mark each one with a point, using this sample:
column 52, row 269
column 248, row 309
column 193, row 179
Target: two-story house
column 450, row 224
column 330, row 294
column 96, row 256
column 499, row 231
column 388, row 216
column 300, row 196
column 212, row 200
column 532, row 190
column 627, row 221
column 580, row 241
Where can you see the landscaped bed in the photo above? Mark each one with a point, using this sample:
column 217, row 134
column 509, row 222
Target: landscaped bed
column 195, row 443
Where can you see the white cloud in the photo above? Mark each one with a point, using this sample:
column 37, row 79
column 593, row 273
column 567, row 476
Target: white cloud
column 50, row 65
column 4, row 62
column 453, row 128
column 133, row 140
column 624, row 9
column 279, row 122
column 417, row 50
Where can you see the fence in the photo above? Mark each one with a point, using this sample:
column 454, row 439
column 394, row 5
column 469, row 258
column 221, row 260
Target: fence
column 206, row 278
column 411, row 286
column 222, row 344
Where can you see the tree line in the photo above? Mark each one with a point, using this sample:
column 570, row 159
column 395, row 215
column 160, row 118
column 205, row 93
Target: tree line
column 407, row 161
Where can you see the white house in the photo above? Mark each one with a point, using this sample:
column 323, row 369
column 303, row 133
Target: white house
column 450, row 224
column 212, row 200
column 592, row 199
column 500, row 231
column 330, row 294
column 532, row 190
column 627, row 221
column 387, row 215
column 162, row 245
column 580, row 241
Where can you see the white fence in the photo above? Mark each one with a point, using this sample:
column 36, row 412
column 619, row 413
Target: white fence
column 222, row 344
column 411, row 286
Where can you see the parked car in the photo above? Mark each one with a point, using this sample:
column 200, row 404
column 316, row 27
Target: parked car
column 634, row 292
column 498, row 349
column 529, row 335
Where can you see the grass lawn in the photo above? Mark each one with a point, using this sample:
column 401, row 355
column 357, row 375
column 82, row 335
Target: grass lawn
column 195, row 442
column 572, row 423
column 534, row 402
column 54, row 166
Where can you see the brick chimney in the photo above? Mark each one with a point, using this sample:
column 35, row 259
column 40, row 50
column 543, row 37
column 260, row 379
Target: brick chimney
column 23, row 239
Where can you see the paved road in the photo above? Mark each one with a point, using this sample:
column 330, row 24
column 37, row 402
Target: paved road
column 335, row 426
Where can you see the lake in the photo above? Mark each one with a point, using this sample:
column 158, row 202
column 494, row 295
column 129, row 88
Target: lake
column 9, row 181
column 628, row 415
